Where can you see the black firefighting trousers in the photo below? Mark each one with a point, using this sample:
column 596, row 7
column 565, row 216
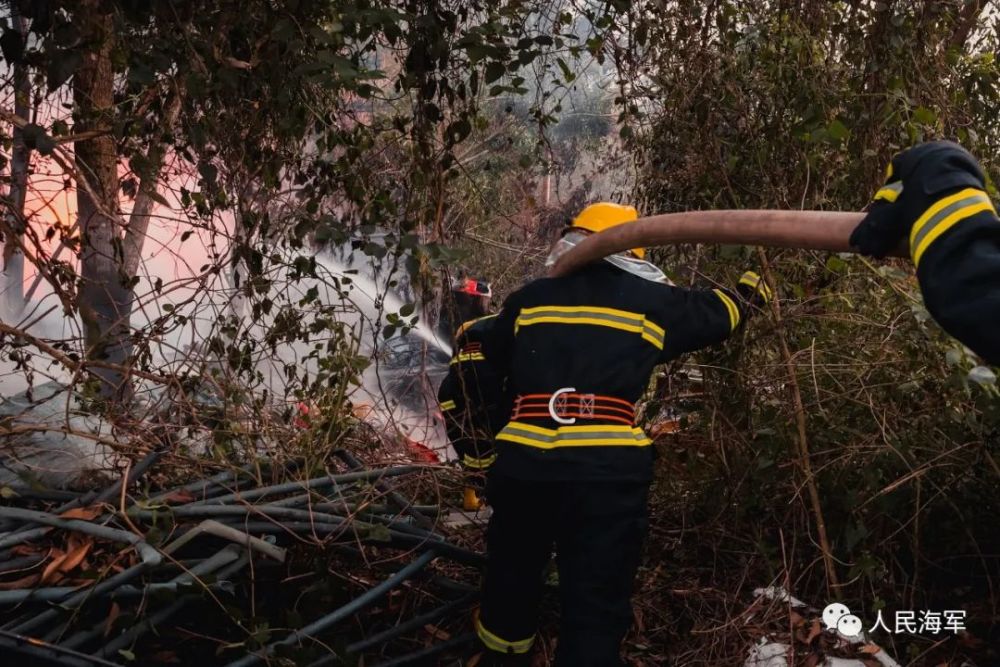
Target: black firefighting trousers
column 597, row 530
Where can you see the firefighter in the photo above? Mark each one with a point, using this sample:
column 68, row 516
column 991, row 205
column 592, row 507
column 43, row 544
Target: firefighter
column 572, row 469
column 470, row 396
column 934, row 198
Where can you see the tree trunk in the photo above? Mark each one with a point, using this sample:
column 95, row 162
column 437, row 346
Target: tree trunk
column 104, row 297
column 138, row 221
column 13, row 261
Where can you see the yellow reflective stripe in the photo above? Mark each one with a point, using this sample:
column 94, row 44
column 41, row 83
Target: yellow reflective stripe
column 734, row 312
column 752, row 279
column 890, row 192
column 467, row 356
column 466, row 325
column 943, row 215
column 888, row 172
column 593, row 435
column 495, row 643
column 622, row 320
column 447, row 405
column 480, row 463
column 583, row 309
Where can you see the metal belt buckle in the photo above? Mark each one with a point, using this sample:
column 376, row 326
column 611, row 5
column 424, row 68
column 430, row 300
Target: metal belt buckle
column 558, row 403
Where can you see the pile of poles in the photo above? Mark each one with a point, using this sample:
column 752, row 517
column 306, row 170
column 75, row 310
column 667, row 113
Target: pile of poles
column 211, row 537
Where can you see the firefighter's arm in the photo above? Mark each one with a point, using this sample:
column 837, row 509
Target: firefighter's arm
column 451, row 402
column 498, row 339
column 934, row 202
column 959, row 275
column 708, row 317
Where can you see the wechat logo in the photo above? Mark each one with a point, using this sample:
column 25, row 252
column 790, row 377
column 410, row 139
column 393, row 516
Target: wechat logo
column 838, row 617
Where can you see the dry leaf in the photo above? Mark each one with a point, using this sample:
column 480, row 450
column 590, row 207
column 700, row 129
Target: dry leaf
column 29, row 549
column 24, row 582
column 811, row 661
column 870, row 649
column 112, row 617
column 437, row 632
column 180, row 497
column 165, row 657
column 796, row 619
column 76, row 556
column 52, row 569
column 815, row 631
column 85, row 513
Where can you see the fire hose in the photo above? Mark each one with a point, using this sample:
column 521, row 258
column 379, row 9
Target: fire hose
column 805, row 230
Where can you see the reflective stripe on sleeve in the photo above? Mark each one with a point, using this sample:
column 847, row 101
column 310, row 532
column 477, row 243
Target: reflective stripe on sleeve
column 622, row 320
column 753, row 280
column 495, row 643
column 734, row 312
column 592, row 435
column 467, row 356
column 466, row 325
column 447, row 405
column 478, row 463
column 944, row 214
column 890, row 192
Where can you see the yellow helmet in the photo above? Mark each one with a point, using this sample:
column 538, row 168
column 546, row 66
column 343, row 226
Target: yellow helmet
column 605, row 215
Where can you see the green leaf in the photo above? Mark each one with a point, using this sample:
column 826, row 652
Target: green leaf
column 128, row 655
column 494, row 71
column 567, row 73
column 158, row 198
column 379, row 533
column 209, row 172
column 62, row 65
column 924, row 116
column 836, row 265
column 837, row 130
column 36, row 138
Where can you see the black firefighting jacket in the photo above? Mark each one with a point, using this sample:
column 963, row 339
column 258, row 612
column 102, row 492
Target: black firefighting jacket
column 577, row 353
column 958, row 267
column 471, row 397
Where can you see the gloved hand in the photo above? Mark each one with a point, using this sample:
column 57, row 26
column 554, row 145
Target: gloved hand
column 471, row 500
column 473, row 493
column 915, row 179
column 754, row 290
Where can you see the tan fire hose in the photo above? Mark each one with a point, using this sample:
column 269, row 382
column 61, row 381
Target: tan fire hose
column 807, row 230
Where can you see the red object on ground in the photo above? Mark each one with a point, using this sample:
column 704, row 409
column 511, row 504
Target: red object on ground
column 421, row 452
column 302, row 421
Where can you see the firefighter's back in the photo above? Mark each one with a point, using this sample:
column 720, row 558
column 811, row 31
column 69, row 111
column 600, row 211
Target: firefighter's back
column 584, row 347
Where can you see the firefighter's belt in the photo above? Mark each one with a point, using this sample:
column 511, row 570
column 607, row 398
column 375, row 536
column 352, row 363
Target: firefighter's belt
column 566, row 406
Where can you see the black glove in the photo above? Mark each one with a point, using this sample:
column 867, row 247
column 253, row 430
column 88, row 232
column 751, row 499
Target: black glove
column 915, row 179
